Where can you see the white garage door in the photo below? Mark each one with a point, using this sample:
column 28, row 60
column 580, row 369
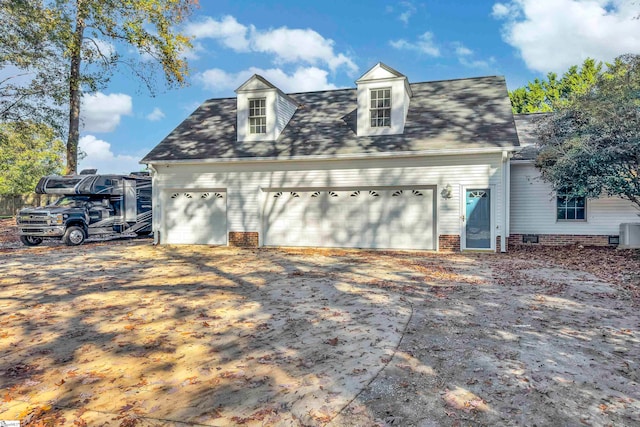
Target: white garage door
column 196, row 217
column 402, row 218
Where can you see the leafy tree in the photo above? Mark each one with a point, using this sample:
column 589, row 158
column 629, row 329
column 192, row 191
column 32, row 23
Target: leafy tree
column 28, row 151
column 541, row 96
column 94, row 38
column 591, row 145
column 32, row 86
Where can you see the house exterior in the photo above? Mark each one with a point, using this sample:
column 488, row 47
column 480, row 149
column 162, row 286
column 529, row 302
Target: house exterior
column 386, row 165
column 539, row 215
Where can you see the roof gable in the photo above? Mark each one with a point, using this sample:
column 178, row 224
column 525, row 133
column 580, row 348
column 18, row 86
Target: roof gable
column 380, row 71
column 255, row 83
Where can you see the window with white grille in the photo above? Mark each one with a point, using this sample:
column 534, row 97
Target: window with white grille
column 380, row 108
column 257, row 116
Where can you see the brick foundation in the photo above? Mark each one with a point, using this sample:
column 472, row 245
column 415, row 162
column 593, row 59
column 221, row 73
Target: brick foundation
column 243, row 239
column 561, row 240
column 449, row 243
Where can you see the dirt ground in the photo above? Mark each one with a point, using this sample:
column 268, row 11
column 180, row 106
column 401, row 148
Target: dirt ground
column 123, row 333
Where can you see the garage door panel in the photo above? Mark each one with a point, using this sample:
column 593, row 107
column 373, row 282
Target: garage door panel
column 411, row 225
column 341, row 226
column 286, row 214
column 378, row 218
column 196, row 217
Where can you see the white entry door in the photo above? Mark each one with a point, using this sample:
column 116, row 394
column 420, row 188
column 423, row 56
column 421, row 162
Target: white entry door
column 400, row 218
column 195, row 217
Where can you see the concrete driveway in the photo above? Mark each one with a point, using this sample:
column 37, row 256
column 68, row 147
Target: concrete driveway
column 125, row 333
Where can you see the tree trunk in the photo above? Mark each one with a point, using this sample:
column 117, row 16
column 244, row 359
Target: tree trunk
column 75, row 92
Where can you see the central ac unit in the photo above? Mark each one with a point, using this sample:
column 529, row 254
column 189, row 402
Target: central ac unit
column 630, row 235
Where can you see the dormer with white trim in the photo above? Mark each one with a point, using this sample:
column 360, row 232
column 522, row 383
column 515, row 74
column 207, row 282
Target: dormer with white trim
column 383, row 101
column 263, row 110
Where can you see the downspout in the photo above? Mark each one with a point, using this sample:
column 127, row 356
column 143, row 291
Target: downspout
column 505, row 204
column 155, row 207
column 508, row 204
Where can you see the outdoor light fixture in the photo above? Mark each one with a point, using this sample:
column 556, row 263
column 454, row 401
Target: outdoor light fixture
column 446, row 192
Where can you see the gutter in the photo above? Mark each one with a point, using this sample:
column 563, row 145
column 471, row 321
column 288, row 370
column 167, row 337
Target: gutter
column 360, row 156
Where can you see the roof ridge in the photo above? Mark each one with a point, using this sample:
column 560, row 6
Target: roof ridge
column 355, row 88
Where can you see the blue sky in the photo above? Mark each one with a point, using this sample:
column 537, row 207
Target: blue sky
column 318, row 45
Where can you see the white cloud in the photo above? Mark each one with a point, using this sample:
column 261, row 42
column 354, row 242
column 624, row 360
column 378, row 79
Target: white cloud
column 302, row 80
column 228, row 31
column 462, row 50
column 425, row 44
column 466, row 57
column 155, row 115
column 287, row 45
column 296, row 45
column 194, row 52
column 552, row 35
column 98, row 155
column 501, row 10
column 102, row 113
column 409, row 10
column 475, row 63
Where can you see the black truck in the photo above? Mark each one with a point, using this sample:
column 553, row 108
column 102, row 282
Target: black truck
column 89, row 204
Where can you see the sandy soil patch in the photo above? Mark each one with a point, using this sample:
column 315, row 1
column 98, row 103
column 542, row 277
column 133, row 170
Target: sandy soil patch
column 125, row 333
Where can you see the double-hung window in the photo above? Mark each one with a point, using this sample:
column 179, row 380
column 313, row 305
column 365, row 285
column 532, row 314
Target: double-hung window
column 257, row 116
column 380, row 108
column 571, row 208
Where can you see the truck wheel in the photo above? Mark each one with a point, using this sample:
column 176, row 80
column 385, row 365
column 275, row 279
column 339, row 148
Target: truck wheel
column 74, row 236
column 30, row 240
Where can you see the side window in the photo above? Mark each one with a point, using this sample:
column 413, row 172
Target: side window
column 571, row 208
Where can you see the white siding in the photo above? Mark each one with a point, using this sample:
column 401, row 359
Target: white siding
column 243, row 182
column 533, row 208
column 284, row 111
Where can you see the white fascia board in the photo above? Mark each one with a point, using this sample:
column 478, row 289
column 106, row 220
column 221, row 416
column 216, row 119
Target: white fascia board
column 382, row 80
column 368, row 156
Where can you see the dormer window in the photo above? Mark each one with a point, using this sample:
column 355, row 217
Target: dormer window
column 380, row 108
column 257, row 101
column 378, row 114
column 257, row 116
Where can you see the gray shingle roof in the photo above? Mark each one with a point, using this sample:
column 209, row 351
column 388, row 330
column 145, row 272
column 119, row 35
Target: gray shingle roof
column 443, row 115
column 526, row 126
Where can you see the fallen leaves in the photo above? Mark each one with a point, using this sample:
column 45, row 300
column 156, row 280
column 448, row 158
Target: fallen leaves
column 296, row 342
column 464, row 400
column 191, row 380
column 621, row 267
column 21, row 370
column 256, row 416
column 8, row 394
column 332, row 341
